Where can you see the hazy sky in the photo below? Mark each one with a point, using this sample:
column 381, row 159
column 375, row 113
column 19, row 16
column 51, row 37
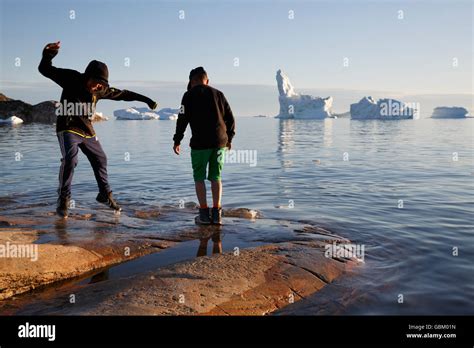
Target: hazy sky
column 411, row 55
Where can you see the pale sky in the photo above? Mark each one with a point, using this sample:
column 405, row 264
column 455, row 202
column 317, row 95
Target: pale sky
column 413, row 47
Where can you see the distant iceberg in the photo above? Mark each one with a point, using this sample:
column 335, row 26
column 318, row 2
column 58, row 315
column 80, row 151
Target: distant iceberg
column 386, row 109
column 449, row 112
column 99, row 116
column 168, row 114
column 135, row 113
column 294, row 105
column 11, row 120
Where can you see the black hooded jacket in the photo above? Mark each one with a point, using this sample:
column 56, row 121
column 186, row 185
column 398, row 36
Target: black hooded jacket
column 207, row 111
column 71, row 117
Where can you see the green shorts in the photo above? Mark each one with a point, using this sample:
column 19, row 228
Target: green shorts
column 200, row 159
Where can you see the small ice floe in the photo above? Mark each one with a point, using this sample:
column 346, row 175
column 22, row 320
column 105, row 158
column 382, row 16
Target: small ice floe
column 13, row 120
column 135, row 113
column 99, row 116
column 168, row 114
column 449, row 112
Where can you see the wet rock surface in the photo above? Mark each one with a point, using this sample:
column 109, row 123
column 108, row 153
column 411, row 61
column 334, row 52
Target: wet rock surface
column 55, row 262
column 258, row 266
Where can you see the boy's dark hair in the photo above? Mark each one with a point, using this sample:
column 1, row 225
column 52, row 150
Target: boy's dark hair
column 198, row 74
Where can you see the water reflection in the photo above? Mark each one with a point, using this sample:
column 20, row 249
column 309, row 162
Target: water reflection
column 100, row 277
column 301, row 145
column 294, row 135
column 216, row 244
column 60, row 227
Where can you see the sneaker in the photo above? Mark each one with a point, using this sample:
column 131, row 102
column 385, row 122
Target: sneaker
column 203, row 218
column 62, row 207
column 108, row 199
column 217, row 216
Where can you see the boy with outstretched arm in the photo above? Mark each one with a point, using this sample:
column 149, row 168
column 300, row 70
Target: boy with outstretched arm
column 80, row 93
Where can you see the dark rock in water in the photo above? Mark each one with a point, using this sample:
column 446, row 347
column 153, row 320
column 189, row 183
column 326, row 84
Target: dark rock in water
column 44, row 112
column 40, row 113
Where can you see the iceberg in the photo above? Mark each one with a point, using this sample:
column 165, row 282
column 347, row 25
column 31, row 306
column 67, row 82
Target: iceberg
column 294, row 105
column 135, row 113
column 11, row 120
column 383, row 109
column 99, row 116
column 449, row 112
column 168, row 114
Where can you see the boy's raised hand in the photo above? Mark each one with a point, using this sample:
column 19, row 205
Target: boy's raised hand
column 53, row 46
column 176, row 149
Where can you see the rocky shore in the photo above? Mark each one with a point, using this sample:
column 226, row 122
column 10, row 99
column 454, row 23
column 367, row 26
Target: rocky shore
column 264, row 266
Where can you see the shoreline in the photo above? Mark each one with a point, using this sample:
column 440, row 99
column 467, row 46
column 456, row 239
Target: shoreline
column 254, row 275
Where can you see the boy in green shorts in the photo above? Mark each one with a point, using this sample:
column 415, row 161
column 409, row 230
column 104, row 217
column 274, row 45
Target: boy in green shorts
column 213, row 127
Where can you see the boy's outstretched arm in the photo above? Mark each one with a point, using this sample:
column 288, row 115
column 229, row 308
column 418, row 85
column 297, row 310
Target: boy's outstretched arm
column 181, row 124
column 125, row 95
column 61, row 76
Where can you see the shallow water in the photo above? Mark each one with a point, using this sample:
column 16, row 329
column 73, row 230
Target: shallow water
column 301, row 174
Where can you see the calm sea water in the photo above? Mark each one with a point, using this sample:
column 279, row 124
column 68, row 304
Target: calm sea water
column 403, row 189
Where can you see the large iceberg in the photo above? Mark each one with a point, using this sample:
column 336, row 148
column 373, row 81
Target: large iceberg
column 294, row 105
column 449, row 112
column 385, row 109
column 135, row 113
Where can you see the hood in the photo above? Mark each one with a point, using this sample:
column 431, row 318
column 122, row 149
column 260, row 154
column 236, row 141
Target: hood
column 99, row 71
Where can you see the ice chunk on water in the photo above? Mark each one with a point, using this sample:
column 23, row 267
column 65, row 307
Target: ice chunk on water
column 449, row 112
column 11, row 120
column 135, row 113
column 368, row 108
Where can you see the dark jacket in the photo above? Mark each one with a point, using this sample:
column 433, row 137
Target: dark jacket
column 74, row 91
column 210, row 117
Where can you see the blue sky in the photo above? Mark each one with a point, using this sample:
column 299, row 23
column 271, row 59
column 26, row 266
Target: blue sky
column 411, row 55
